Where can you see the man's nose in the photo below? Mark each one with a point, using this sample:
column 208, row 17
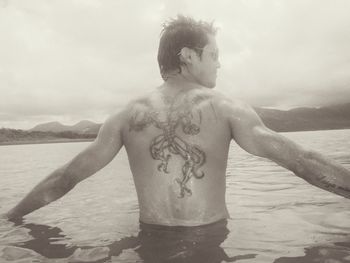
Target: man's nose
column 218, row 64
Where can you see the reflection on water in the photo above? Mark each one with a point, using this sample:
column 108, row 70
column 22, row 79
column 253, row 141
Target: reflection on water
column 333, row 253
column 275, row 216
column 153, row 244
column 157, row 244
column 185, row 244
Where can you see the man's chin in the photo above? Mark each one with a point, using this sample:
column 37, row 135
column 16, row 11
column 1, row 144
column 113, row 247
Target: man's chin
column 211, row 85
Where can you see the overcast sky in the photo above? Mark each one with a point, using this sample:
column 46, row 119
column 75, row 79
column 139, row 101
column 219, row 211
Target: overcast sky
column 83, row 59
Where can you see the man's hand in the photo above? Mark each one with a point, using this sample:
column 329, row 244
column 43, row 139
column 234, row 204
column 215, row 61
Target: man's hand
column 15, row 220
column 88, row 162
column 251, row 134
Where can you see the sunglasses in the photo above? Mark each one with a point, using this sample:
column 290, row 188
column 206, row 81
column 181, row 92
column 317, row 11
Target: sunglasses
column 214, row 54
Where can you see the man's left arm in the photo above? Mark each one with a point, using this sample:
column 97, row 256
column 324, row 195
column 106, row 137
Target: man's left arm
column 252, row 135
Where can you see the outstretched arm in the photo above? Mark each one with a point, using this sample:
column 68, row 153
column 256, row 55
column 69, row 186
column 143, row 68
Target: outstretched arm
column 252, row 135
column 86, row 163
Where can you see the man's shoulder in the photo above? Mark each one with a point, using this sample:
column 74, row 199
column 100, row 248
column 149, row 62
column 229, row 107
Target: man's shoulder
column 230, row 105
column 121, row 115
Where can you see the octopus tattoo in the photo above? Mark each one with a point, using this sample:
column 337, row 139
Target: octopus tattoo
column 168, row 143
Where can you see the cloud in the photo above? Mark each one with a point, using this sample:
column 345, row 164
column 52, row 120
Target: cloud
column 291, row 48
column 69, row 60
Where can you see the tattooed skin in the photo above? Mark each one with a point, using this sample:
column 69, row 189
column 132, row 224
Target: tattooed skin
column 168, row 143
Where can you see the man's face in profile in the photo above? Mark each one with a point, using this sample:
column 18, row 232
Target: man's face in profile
column 205, row 67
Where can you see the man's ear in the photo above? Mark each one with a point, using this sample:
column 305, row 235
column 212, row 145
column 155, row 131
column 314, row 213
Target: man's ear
column 186, row 55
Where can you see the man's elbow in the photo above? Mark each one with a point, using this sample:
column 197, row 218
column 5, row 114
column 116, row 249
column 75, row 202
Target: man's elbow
column 285, row 152
column 66, row 181
column 304, row 162
column 60, row 183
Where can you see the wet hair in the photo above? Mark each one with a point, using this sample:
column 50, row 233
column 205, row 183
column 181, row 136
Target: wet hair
column 179, row 33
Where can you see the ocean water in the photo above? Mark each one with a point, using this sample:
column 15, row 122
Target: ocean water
column 275, row 216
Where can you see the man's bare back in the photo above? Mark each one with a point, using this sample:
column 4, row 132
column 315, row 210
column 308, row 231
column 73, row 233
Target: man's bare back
column 177, row 142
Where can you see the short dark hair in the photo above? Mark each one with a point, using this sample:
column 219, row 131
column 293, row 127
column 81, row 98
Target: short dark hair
column 179, row 33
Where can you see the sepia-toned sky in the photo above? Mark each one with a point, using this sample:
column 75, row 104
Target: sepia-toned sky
column 68, row 60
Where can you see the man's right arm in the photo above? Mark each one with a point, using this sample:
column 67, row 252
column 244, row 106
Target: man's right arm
column 253, row 136
column 86, row 163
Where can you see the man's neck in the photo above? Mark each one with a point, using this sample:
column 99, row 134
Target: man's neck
column 182, row 81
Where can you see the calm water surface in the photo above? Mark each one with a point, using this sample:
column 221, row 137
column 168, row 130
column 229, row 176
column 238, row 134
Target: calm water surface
column 275, row 216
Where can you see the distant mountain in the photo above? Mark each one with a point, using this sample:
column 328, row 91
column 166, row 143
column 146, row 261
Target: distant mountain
column 13, row 136
column 306, row 119
column 82, row 127
column 93, row 129
column 298, row 119
column 54, row 126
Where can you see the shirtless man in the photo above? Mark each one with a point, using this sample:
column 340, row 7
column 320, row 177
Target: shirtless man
column 177, row 139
